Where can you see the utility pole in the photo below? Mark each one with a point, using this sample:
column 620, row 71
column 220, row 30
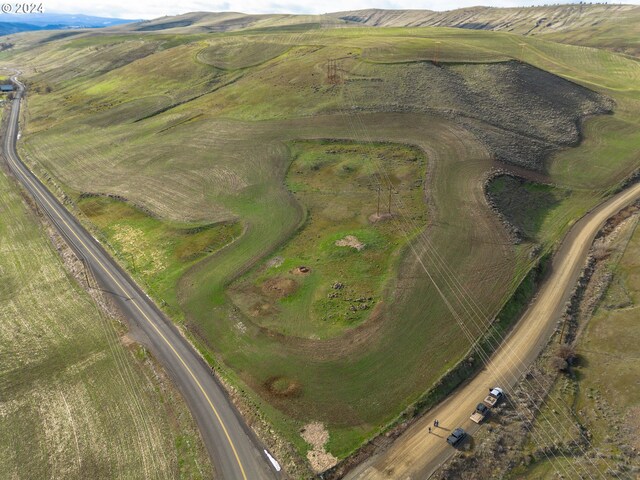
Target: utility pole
column 379, row 190
column 86, row 275
column 390, row 188
column 522, row 45
column 436, row 53
column 332, row 71
column 564, row 324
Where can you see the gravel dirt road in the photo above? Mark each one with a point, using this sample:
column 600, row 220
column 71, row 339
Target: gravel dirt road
column 417, row 454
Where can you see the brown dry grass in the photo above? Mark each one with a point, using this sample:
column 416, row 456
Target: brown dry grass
column 75, row 402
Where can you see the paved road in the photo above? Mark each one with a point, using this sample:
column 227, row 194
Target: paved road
column 417, row 454
column 235, row 452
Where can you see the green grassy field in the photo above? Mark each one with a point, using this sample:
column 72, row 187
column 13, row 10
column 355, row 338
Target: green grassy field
column 619, row 34
column 526, row 204
column 348, row 245
column 156, row 252
column 194, row 133
column 541, row 212
column 77, row 399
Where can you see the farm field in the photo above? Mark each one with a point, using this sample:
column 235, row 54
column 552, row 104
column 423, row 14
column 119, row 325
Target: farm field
column 78, row 398
column 187, row 132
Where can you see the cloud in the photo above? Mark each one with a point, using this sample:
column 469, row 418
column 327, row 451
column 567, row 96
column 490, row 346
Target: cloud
column 148, row 9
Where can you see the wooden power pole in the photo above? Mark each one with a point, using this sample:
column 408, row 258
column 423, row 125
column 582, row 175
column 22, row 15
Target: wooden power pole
column 436, row 53
column 332, row 71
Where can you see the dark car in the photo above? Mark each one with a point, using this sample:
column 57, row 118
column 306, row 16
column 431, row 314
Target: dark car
column 456, row 437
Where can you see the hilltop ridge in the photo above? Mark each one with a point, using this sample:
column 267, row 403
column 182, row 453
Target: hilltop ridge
column 615, row 27
column 523, row 20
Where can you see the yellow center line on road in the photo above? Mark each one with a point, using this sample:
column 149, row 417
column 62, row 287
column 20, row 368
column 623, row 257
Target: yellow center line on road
column 155, row 327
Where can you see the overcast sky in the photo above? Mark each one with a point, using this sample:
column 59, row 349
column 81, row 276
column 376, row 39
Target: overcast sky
column 148, row 9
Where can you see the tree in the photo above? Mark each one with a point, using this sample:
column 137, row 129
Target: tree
column 559, row 364
column 564, row 357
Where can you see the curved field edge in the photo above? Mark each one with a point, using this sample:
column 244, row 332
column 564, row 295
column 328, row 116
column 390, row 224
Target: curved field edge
column 330, row 276
column 157, row 252
column 79, row 397
column 625, row 159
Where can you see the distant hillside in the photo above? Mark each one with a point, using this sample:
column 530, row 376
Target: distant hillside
column 7, row 28
column 527, row 21
column 203, row 22
column 615, row 27
column 13, row 23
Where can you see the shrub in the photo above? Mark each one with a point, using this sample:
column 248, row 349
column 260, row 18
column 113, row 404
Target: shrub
column 564, row 357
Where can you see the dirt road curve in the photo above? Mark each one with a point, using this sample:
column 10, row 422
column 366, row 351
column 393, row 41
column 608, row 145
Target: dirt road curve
column 235, row 452
column 417, row 454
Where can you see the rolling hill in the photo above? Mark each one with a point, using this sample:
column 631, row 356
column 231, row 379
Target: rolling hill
column 524, row 21
column 284, row 213
column 615, row 27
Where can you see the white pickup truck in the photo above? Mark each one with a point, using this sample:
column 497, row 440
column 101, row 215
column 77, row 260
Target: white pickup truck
column 495, row 395
column 482, row 409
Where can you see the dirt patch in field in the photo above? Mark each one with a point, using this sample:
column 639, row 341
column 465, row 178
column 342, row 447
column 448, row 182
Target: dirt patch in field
column 279, row 287
column 301, row 270
column 127, row 340
column 283, row 387
column 350, row 241
column 382, row 217
column 316, row 435
column 262, row 309
column 275, row 262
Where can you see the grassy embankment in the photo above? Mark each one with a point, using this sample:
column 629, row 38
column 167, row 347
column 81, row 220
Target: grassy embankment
column 76, row 400
column 207, row 159
column 540, row 212
column 157, row 252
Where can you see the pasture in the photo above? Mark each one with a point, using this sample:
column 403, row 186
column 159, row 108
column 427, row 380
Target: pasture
column 78, row 398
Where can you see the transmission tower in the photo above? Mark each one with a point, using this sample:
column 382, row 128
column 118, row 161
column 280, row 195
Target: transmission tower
column 332, row 71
